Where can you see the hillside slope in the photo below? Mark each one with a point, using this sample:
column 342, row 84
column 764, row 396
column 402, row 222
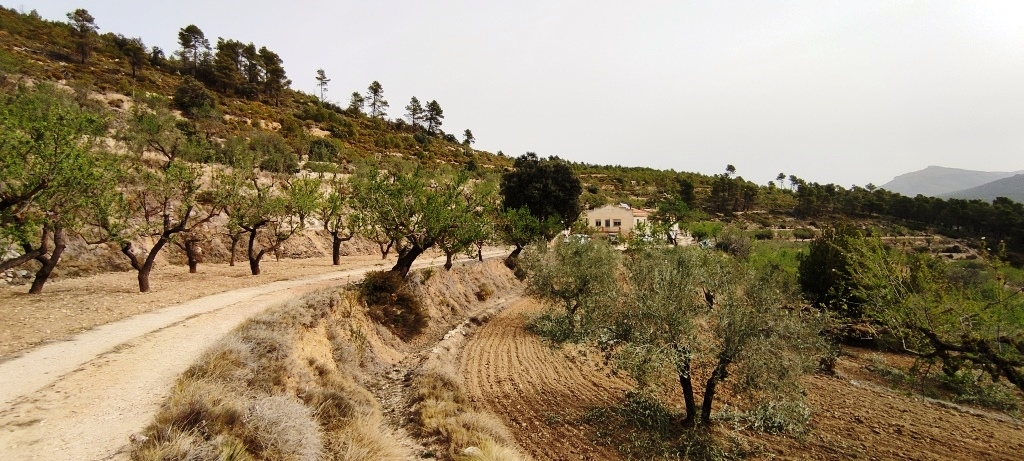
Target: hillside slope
column 937, row 181
column 1011, row 187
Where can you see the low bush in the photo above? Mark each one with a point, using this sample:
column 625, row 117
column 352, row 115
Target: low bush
column 553, row 326
column 642, row 427
column 733, row 241
column 391, row 303
column 803, row 233
column 764, row 234
column 484, row 292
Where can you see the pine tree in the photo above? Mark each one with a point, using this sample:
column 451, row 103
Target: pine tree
column 322, row 81
column 83, row 28
column 275, row 79
column 195, row 48
column 414, row 111
column 434, row 116
column 355, row 103
column 375, row 96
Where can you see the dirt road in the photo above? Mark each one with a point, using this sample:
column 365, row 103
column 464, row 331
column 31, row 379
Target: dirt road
column 82, row 398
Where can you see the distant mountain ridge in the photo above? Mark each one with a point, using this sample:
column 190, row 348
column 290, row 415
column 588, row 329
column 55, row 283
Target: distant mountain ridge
column 939, row 181
column 1012, row 188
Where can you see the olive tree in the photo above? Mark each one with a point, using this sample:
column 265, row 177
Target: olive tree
column 689, row 312
column 576, row 277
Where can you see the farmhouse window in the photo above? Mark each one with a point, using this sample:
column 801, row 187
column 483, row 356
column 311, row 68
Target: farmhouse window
column 616, row 223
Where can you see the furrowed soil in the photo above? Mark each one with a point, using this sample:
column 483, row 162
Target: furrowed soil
column 542, row 392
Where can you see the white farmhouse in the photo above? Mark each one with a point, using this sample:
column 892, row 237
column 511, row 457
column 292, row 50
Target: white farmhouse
column 615, row 219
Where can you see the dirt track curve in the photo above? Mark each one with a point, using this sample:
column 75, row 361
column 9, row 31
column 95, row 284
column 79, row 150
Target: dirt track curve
column 82, row 398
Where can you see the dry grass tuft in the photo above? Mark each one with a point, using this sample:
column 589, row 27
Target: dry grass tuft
column 368, row 440
column 441, row 409
column 283, row 428
column 484, row 291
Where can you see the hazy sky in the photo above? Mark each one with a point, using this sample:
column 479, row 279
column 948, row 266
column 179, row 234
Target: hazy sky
column 849, row 92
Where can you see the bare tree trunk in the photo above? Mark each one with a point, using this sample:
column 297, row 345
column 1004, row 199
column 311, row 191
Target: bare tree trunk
column 48, row 262
column 686, row 383
column 717, row 376
column 336, row 250
column 405, row 260
column 254, row 259
column 254, row 264
column 447, row 261
column 234, row 245
column 192, row 253
column 512, row 258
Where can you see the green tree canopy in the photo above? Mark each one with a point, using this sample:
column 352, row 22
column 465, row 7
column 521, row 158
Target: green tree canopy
column 83, row 30
column 375, row 98
column 546, row 187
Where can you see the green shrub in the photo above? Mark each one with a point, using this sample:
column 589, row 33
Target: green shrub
column 391, row 303
column 553, row 326
column 803, row 233
column 322, row 167
column 970, row 387
column 764, row 234
column 192, row 98
column 705, row 229
column 734, row 242
column 322, row 150
column 825, row 271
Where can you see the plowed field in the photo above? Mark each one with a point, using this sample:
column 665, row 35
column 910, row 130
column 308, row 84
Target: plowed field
column 541, row 393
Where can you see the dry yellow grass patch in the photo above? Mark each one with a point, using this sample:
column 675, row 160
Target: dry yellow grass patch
column 442, row 409
column 286, row 385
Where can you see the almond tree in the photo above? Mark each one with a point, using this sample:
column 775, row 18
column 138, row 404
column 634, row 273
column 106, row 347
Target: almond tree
column 49, row 169
column 470, row 226
column 971, row 326
column 152, row 205
column 338, row 218
column 411, row 211
column 269, row 208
